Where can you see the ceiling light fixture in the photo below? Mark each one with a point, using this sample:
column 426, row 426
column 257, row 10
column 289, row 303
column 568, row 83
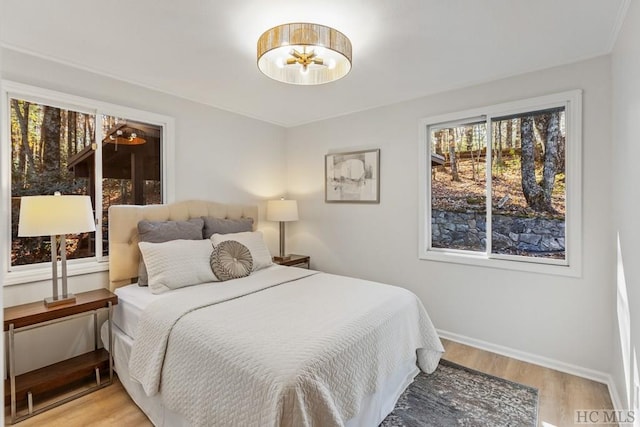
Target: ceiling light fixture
column 304, row 54
column 126, row 136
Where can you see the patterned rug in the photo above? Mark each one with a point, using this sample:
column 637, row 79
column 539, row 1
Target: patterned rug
column 457, row 396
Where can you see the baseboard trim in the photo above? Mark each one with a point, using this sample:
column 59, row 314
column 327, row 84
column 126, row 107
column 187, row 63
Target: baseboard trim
column 546, row 362
column 615, row 397
column 524, row 356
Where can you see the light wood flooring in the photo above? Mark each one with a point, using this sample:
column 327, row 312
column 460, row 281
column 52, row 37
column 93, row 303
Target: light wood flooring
column 559, row 394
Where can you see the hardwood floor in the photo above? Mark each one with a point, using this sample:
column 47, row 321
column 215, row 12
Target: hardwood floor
column 560, row 394
column 109, row 406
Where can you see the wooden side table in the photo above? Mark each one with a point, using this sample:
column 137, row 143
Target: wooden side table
column 20, row 318
column 303, row 261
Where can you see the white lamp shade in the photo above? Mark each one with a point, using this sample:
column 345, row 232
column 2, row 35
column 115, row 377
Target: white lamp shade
column 54, row 215
column 282, row 210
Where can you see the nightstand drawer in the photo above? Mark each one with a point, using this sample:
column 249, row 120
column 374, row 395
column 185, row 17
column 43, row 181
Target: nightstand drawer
column 293, row 260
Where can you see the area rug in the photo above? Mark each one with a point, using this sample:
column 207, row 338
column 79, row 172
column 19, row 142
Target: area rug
column 458, row 396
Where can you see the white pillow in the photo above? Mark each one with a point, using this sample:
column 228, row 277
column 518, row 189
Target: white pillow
column 253, row 241
column 177, row 263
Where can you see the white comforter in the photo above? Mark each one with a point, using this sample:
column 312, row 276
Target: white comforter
column 282, row 347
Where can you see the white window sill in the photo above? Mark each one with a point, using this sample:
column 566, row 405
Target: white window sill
column 43, row 271
column 481, row 260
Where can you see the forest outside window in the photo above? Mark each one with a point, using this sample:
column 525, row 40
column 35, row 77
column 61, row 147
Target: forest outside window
column 500, row 186
column 56, row 142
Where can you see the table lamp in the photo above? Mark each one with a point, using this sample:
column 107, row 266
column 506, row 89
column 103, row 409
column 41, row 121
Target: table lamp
column 56, row 216
column 284, row 211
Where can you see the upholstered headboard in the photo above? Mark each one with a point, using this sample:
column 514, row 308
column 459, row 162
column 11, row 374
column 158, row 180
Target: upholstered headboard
column 124, row 254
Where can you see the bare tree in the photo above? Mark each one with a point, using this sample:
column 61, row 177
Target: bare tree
column 538, row 195
column 26, row 163
column 541, row 122
column 51, row 140
column 551, row 157
column 509, row 142
column 452, row 156
column 90, row 137
column 498, row 146
column 531, row 189
column 469, row 135
column 72, row 121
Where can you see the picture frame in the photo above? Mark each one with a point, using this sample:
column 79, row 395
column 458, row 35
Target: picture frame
column 352, row 177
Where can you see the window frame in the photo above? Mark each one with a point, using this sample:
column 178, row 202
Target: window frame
column 13, row 275
column 572, row 264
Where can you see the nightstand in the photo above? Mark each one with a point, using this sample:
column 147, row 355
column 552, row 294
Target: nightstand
column 54, row 378
column 303, row 261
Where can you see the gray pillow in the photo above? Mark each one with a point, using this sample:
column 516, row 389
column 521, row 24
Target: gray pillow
column 164, row 231
column 231, row 260
column 214, row 225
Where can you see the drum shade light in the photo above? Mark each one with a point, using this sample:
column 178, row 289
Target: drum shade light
column 304, row 54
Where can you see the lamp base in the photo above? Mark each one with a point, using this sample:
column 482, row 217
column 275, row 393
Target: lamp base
column 53, row 302
column 282, row 258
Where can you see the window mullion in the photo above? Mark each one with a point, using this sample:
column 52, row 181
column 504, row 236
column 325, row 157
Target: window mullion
column 98, row 137
column 5, row 181
column 488, row 204
column 425, row 156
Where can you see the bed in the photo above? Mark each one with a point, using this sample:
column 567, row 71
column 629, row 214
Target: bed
column 282, row 346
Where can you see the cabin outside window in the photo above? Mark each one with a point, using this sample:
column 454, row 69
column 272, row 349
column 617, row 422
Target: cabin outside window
column 57, row 142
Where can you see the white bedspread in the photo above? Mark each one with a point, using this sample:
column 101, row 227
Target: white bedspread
column 282, row 347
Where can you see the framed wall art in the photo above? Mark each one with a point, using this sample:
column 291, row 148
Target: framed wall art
column 352, row 177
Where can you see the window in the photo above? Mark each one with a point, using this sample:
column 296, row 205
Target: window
column 56, row 142
column 43, row 139
column 500, row 185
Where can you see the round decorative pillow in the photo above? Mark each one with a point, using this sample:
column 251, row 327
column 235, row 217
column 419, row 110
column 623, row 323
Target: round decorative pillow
column 231, row 260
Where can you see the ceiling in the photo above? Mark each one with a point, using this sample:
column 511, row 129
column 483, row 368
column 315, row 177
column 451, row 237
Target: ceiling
column 205, row 50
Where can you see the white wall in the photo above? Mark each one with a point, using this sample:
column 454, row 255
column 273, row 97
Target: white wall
column 626, row 203
column 568, row 320
column 223, row 156
column 219, row 156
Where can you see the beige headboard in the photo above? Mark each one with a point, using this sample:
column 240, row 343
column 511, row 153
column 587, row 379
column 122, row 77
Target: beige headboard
column 124, row 254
